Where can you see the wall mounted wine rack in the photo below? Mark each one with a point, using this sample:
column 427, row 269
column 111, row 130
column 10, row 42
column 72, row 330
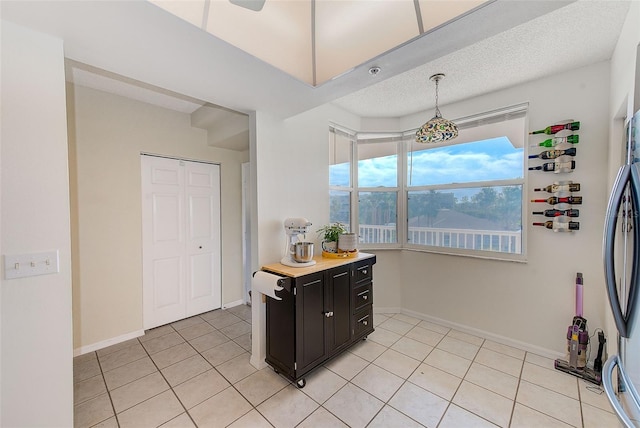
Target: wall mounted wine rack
column 559, row 155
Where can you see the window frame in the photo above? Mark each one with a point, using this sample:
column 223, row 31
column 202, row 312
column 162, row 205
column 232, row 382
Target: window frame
column 386, row 137
column 495, row 255
column 351, row 189
column 403, row 141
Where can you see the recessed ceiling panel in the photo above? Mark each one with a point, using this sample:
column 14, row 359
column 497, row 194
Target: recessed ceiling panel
column 437, row 12
column 317, row 40
column 279, row 34
column 351, row 32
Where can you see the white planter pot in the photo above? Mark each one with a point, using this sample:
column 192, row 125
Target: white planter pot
column 330, row 246
column 348, row 242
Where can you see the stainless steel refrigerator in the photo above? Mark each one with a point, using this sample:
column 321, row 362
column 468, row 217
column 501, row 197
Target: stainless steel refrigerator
column 621, row 250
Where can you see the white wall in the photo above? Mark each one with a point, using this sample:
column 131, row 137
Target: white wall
column 107, row 135
column 290, row 161
column 36, row 340
column 623, row 64
column 499, row 297
column 530, row 304
column 292, row 166
column 387, row 281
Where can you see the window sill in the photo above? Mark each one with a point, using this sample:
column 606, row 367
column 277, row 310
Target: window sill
column 500, row 257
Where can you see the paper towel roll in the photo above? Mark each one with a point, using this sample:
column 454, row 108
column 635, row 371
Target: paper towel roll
column 266, row 283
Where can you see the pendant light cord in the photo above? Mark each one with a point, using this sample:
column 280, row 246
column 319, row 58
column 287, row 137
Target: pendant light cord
column 437, row 80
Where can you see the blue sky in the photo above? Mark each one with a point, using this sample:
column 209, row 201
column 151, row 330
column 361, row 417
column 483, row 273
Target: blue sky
column 493, row 159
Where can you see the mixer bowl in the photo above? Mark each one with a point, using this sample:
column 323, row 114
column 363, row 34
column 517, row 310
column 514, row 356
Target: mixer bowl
column 303, row 252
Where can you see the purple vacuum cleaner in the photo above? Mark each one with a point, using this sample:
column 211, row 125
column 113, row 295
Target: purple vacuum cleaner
column 577, row 341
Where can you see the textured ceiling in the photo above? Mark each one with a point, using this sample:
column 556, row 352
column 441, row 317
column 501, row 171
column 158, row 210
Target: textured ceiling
column 582, row 33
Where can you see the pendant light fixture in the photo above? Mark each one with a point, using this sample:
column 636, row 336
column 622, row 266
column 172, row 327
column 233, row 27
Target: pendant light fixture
column 437, row 129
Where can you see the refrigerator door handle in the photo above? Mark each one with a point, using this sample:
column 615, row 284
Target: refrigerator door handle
column 608, row 246
column 633, row 285
column 607, row 383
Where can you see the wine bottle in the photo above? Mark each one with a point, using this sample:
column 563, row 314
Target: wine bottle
column 574, row 200
column 555, row 166
column 552, row 154
column 557, row 213
column 550, row 130
column 560, row 226
column 560, row 187
column 552, row 142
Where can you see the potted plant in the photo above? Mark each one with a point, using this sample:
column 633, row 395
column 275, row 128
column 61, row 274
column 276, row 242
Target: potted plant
column 330, row 235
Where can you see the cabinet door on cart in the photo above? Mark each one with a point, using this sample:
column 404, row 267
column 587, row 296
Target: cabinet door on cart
column 339, row 323
column 310, row 320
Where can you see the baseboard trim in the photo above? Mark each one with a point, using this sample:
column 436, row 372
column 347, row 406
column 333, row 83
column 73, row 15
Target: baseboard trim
column 232, row 304
column 119, row 339
column 544, row 352
column 258, row 363
column 377, row 310
column 105, row 343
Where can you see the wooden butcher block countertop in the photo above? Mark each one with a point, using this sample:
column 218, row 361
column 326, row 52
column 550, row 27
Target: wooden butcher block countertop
column 322, row 263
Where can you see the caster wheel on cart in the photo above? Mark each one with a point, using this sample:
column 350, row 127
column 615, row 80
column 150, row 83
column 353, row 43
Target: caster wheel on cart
column 301, row 383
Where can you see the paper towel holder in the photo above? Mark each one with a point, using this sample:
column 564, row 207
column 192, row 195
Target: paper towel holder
column 282, row 282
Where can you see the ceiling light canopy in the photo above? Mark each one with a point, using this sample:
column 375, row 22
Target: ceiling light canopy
column 317, row 40
column 437, row 129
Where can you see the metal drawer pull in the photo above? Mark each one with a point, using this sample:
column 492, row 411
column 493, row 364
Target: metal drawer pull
column 364, row 271
column 365, row 297
column 328, row 314
column 363, row 320
column 311, row 283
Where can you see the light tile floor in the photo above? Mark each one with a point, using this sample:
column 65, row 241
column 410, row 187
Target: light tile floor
column 408, row 373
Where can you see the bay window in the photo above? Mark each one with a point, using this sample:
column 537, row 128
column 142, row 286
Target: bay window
column 460, row 197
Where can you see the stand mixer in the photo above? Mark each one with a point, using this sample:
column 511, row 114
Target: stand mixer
column 298, row 253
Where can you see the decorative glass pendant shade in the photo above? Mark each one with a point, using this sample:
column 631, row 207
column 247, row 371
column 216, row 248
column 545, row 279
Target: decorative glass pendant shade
column 437, row 129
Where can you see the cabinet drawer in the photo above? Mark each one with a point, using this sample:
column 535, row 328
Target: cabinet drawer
column 363, row 272
column 362, row 296
column 363, row 321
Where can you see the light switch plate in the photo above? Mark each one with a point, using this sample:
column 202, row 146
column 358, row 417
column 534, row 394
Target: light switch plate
column 23, row 265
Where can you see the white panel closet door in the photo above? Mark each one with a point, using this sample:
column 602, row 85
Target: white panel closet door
column 203, row 237
column 181, row 261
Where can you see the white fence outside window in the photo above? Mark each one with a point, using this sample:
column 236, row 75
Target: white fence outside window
column 483, row 240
